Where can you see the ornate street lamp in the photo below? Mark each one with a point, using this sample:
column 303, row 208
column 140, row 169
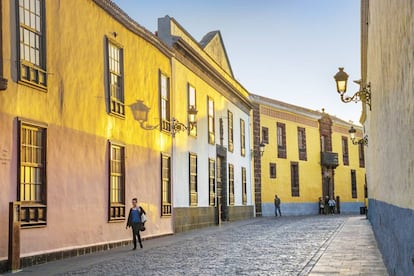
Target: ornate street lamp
column 140, row 112
column 192, row 113
column 363, row 141
column 364, row 94
column 262, row 147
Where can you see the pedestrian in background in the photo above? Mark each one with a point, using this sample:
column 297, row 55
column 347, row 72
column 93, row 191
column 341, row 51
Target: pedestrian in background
column 135, row 221
column 321, row 206
column 326, row 205
column 277, row 206
column 332, row 204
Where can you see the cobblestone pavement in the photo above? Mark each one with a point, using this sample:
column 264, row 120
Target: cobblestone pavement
column 352, row 251
column 262, row 246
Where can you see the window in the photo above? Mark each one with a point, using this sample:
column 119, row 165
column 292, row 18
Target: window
column 361, row 155
column 265, row 135
column 192, row 105
column 345, row 156
column 281, row 140
column 244, row 186
column 116, row 79
column 302, row 143
column 353, row 184
column 32, row 175
column 230, row 130
column 193, row 179
column 211, row 127
column 294, row 175
column 272, row 170
column 231, row 184
column 32, row 55
column 117, row 183
column 165, row 116
column 166, row 185
column 242, row 138
column 212, row 181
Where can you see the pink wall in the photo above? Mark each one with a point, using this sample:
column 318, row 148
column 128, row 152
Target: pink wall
column 77, row 190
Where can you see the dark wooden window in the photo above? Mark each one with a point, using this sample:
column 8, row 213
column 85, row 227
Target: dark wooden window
column 230, row 130
column 212, row 181
column 165, row 116
column 116, row 182
column 361, row 154
column 211, row 126
column 353, row 184
column 345, row 154
column 244, row 186
column 265, row 135
column 192, row 103
column 242, row 137
column 31, row 42
column 231, row 184
column 366, row 188
column 116, row 78
column 166, row 184
column 193, row 179
column 302, row 143
column 281, row 140
column 272, row 170
column 31, row 190
column 294, row 174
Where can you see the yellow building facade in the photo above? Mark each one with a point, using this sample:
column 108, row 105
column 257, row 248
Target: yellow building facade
column 95, row 110
column 307, row 155
column 73, row 152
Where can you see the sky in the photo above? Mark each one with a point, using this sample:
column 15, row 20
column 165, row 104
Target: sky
column 288, row 50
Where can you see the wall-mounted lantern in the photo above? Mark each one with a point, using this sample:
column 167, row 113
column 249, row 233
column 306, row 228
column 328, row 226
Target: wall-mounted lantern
column 261, row 150
column 363, row 141
column 364, row 94
column 140, row 112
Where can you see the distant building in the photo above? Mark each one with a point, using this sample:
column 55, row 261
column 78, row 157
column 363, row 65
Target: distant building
column 307, row 155
column 387, row 63
column 211, row 164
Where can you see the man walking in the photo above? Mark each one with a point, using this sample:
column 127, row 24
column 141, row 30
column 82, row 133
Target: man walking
column 277, row 206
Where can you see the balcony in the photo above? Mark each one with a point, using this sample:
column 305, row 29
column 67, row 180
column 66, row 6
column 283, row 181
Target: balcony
column 329, row 159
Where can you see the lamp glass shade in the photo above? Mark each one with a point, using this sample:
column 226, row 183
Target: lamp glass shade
column 140, row 111
column 341, row 86
column 262, row 146
column 141, row 115
column 192, row 113
column 341, row 79
column 352, row 132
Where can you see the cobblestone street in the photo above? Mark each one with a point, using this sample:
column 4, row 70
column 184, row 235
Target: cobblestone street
column 263, row 246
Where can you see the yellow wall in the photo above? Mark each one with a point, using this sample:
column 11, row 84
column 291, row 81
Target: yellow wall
column 343, row 186
column 74, row 107
column 310, row 171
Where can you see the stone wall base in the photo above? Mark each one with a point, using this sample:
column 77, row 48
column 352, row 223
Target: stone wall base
column 190, row 218
column 308, row 208
column 393, row 229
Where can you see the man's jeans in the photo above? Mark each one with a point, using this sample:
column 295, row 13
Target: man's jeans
column 136, row 227
column 277, row 208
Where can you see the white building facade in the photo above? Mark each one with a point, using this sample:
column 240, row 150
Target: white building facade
column 211, row 159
